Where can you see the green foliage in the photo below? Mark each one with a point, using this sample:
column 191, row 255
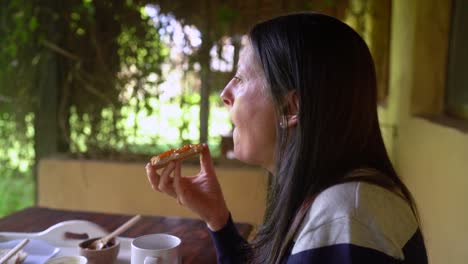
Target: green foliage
column 145, row 133
column 16, row 131
column 17, row 28
column 16, row 190
column 16, row 157
column 226, row 16
column 110, row 59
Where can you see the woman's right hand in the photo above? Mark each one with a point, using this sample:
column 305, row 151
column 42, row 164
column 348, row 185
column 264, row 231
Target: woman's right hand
column 201, row 193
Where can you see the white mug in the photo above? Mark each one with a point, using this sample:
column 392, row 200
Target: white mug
column 156, row 249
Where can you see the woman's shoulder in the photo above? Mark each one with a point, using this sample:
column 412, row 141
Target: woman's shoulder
column 360, row 200
column 361, row 214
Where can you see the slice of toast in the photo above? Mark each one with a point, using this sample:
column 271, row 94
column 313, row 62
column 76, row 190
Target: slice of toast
column 176, row 154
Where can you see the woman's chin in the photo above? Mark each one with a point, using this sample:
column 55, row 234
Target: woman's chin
column 248, row 159
column 238, row 155
column 245, row 158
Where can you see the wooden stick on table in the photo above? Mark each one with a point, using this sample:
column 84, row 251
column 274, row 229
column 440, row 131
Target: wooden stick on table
column 13, row 251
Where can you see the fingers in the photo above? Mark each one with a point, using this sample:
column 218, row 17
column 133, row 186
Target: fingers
column 206, row 162
column 166, row 181
column 177, row 183
column 157, row 167
column 153, row 176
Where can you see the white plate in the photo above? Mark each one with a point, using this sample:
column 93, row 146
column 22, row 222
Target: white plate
column 38, row 251
column 54, row 236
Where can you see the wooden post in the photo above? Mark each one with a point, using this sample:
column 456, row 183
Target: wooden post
column 45, row 121
column 47, row 79
column 205, row 60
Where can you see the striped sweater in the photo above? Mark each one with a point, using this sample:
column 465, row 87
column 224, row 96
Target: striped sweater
column 353, row 222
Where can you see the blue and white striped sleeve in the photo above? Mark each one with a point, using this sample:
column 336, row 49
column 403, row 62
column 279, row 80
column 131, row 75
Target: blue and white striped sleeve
column 358, row 223
column 355, row 244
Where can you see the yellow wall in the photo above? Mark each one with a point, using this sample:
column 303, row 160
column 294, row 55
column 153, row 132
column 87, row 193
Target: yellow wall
column 119, row 187
column 431, row 158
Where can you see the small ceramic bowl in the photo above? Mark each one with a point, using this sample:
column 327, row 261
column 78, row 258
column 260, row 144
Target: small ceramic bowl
column 107, row 255
column 68, row 260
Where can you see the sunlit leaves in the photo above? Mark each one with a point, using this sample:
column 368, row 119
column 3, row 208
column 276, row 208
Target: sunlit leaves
column 116, row 96
column 16, row 157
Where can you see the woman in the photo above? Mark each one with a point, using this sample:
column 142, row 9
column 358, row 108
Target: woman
column 303, row 103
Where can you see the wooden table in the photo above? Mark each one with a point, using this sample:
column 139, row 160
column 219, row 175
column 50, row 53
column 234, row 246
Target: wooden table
column 196, row 247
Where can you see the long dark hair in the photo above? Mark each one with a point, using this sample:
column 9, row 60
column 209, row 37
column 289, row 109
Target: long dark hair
column 329, row 67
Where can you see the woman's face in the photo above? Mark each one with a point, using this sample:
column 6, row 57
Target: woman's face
column 252, row 112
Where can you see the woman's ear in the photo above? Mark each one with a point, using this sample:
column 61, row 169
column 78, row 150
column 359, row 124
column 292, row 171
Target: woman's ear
column 292, row 120
column 292, row 109
column 292, row 101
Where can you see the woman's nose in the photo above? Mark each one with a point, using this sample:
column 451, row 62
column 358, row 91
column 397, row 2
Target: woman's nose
column 227, row 97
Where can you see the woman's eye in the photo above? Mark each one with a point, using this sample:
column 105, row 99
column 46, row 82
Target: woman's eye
column 237, row 78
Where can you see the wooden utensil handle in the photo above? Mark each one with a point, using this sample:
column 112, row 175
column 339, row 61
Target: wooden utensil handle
column 13, row 251
column 123, row 227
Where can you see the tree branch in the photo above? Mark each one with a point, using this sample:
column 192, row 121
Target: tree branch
column 60, row 50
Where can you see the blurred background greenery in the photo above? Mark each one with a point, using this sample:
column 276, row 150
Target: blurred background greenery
column 123, row 80
column 98, row 80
